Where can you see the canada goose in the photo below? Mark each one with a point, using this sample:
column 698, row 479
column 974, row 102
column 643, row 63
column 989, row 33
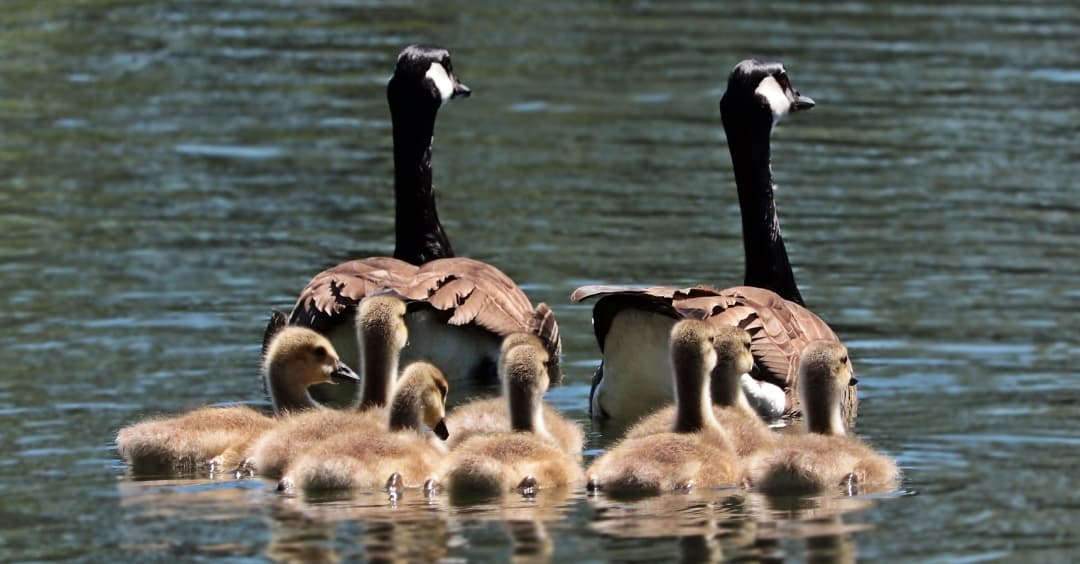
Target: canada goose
column 381, row 332
column 747, row 431
column 295, row 359
column 402, row 455
column 825, row 457
column 629, row 322
column 525, row 457
column 483, row 416
column 461, row 308
column 697, row 452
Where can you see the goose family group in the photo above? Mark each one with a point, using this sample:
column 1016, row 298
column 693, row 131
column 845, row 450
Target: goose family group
column 700, row 375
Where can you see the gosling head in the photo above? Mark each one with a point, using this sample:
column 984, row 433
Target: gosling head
column 297, row 357
column 524, row 375
column 421, row 398
column 762, row 88
column 380, row 321
column 424, row 74
column 733, row 359
column 693, row 352
column 824, row 374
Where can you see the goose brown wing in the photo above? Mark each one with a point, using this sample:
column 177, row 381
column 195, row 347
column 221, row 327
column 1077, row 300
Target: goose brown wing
column 613, row 299
column 474, row 292
column 335, row 290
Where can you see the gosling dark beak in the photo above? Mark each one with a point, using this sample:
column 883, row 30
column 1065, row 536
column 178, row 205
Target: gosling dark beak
column 802, row 103
column 441, row 431
column 342, row 374
column 460, row 90
column 852, row 381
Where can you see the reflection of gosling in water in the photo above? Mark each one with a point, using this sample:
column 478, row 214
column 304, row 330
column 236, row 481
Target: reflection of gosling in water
column 485, row 416
column 380, row 325
column 824, row 458
column 214, row 437
column 733, row 359
column 525, row 457
column 698, row 452
column 366, row 457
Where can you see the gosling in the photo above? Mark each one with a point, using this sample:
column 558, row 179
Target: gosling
column 825, row 458
column 403, row 456
column 381, row 332
column 524, row 458
column 730, row 406
column 213, row 437
column 697, row 452
column 486, row 416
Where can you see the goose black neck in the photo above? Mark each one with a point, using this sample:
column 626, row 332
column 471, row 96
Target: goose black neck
column 419, row 234
column 767, row 264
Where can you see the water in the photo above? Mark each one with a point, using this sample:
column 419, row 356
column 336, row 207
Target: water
column 171, row 171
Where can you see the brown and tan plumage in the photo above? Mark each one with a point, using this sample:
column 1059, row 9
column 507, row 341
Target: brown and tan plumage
column 628, row 321
column 366, row 458
column 460, row 308
column 696, row 451
column 524, row 455
column 215, row 438
column 824, row 458
column 486, row 416
column 779, row 329
column 748, row 433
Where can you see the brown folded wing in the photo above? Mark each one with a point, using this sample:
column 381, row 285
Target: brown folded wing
column 470, row 291
column 779, row 329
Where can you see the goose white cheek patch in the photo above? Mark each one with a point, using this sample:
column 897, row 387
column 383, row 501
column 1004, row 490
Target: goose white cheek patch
column 439, row 76
column 776, row 98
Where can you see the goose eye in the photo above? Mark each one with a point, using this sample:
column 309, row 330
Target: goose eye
column 320, row 352
column 844, row 359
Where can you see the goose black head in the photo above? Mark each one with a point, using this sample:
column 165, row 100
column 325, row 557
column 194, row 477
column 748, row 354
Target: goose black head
column 764, row 87
column 424, row 73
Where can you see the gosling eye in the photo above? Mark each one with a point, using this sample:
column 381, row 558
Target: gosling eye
column 844, row 359
column 320, row 352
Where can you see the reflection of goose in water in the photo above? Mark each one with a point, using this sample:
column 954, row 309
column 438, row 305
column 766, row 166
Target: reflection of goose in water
column 630, row 323
column 215, row 437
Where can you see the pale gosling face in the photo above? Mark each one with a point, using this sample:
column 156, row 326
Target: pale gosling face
column 733, row 349
column 310, row 356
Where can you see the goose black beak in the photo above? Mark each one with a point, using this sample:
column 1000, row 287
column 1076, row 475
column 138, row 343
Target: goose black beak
column 461, row 91
column 342, row 374
column 852, row 381
column 441, row 431
column 802, row 103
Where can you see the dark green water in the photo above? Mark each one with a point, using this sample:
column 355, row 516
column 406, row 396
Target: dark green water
column 170, row 171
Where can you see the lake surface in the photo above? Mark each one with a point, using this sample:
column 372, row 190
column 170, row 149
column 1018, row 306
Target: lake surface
column 171, row 171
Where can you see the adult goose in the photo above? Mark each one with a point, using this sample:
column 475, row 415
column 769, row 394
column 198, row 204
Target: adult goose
column 460, row 308
column 631, row 324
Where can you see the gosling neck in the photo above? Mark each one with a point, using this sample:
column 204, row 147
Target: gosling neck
column 693, row 411
column 406, row 409
column 380, row 367
column 287, row 395
column 525, row 402
column 419, row 233
column 767, row 264
column 726, row 390
column 823, row 415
